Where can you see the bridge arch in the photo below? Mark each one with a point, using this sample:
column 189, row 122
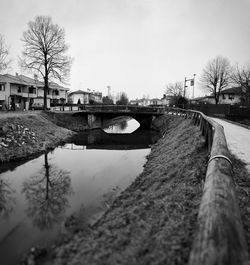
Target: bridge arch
column 99, row 119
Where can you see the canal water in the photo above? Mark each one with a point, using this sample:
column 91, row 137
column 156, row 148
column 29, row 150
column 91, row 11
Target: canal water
column 73, row 184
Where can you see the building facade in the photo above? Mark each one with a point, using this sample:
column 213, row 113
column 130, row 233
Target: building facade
column 20, row 92
column 231, row 96
column 84, row 97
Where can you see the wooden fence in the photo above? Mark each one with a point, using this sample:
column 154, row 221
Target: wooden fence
column 219, row 239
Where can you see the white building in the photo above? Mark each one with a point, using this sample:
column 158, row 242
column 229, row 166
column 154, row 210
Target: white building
column 84, row 97
column 21, row 92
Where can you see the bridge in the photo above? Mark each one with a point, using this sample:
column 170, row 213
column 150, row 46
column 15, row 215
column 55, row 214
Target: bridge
column 98, row 116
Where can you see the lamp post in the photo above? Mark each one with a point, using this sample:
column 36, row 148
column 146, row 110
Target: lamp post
column 191, row 84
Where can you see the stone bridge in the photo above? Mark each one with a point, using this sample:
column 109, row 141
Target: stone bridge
column 98, row 116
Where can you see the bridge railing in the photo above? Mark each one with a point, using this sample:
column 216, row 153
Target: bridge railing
column 108, row 108
column 220, row 236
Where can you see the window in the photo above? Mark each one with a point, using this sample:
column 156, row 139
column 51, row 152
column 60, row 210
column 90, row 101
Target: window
column 19, row 89
column 32, row 90
column 2, row 87
column 231, row 96
column 223, row 96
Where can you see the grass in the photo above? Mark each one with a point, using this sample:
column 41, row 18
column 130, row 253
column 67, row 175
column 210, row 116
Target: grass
column 242, row 185
column 47, row 135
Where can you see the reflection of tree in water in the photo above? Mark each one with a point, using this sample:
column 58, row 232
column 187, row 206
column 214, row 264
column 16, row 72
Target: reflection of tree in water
column 6, row 200
column 119, row 126
column 46, row 194
column 123, row 125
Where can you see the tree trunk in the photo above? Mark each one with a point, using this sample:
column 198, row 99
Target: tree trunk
column 46, row 88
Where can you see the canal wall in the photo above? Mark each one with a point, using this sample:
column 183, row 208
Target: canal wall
column 24, row 135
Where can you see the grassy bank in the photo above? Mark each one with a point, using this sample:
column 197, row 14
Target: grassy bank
column 23, row 135
column 153, row 220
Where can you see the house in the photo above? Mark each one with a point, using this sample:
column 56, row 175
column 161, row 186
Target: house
column 231, row 96
column 84, row 97
column 19, row 92
column 95, row 97
column 167, row 100
column 79, row 96
column 155, row 101
column 140, row 102
column 203, row 100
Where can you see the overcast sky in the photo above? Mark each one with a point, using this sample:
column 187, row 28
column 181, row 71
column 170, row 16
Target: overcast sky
column 136, row 46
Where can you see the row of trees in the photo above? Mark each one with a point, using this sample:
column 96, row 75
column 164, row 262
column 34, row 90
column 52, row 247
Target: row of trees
column 122, row 99
column 217, row 75
column 44, row 52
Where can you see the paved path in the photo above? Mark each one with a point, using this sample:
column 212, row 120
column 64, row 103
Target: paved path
column 238, row 140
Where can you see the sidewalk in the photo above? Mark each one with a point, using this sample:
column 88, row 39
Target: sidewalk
column 238, row 140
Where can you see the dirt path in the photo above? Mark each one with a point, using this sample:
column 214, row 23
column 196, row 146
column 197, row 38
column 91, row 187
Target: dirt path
column 238, row 140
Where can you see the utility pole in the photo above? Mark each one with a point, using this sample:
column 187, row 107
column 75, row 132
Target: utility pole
column 109, row 88
column 191, row 84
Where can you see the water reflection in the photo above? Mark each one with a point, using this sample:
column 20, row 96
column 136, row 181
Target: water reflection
column 99, row 139
column 7, row 200
column 126, row 125
column 118, row 127
column 47, row 195
column 43, row 187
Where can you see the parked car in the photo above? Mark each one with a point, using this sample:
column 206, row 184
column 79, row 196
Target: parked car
column 37, row 106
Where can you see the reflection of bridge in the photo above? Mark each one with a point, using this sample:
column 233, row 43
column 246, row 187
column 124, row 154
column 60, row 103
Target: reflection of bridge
column 98, row 139
column 99, row 115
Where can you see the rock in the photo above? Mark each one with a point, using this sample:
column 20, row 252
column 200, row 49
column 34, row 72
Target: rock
column 5, row 128
column 2, row 133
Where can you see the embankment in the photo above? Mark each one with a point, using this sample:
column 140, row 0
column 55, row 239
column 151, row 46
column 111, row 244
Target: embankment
column 153, row 220
column 66, row 120
column 23, row 135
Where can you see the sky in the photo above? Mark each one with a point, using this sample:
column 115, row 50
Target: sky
column 136, row 46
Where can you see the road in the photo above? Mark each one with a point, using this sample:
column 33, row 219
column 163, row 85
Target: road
column 238, row 140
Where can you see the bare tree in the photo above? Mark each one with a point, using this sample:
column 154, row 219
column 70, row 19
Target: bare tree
column 241, row 76
column 122, row 99
column 4, row 53
column 174, row 89
column 216, row 76
column 45, row 51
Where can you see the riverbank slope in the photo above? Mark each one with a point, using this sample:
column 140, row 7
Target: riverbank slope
column 152, row 221
column 26, row 134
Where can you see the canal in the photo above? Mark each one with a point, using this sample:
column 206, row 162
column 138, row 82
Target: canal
column 48, row 197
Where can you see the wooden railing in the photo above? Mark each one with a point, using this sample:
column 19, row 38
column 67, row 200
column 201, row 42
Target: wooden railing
column 220, row 236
